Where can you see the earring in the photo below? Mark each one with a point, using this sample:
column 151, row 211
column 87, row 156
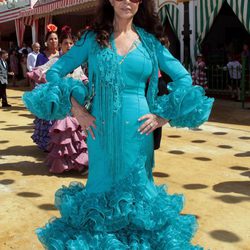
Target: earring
column 45, row 44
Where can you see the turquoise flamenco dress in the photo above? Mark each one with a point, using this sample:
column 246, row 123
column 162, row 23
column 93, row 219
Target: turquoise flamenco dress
column 120, row 207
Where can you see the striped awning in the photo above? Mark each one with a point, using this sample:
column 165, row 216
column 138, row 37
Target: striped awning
column 55, row 7
column 12, row 14
column 170, row 12
column 207, row 10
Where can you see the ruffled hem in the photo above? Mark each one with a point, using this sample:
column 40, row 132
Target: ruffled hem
column 184, row 106
column 129, row 216
column 67, row 148
column 60, row 165
column 68, row 123
column 51, row 101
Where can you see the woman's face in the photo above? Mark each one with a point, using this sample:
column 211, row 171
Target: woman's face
column 125, row 9
column 66, row 45
column 52, row 41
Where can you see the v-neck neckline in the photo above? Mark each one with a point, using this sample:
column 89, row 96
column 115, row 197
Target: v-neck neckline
column 114, row 48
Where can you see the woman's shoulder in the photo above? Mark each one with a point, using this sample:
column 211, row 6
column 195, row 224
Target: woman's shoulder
column 147, row 36
column 143, row 32
column 88, row 36
column 42, row 55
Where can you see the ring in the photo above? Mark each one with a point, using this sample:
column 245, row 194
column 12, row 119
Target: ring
column 87, row 128
column 151, row 125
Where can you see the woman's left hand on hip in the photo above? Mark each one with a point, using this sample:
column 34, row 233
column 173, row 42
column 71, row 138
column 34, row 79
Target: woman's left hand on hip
column 151, row 123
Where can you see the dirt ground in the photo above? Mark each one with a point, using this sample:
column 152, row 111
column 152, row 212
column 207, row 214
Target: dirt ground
column 210, row 166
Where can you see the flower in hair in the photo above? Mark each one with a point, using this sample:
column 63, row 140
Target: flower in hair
column 51, row 28
column 66, row 29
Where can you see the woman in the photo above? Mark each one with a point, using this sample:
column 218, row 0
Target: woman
column 120, row 207
column 67, row 147
column 51, row 44
column 199, row 75
column 14, row 65
column 41, row 132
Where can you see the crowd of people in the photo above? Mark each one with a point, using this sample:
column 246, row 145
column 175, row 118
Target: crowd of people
column 231, row 71
column 62, row 140
column 15, row 63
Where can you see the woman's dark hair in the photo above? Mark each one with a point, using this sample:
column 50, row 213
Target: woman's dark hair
column 146, row 18
column 65, row 34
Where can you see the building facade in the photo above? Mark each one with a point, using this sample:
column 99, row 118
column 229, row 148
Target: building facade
column 9, row 14
column 213, row 23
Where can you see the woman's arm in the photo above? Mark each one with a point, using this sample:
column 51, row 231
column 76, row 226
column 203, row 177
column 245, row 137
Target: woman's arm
column 52, row 101
column 71, row 60
column 185, row 105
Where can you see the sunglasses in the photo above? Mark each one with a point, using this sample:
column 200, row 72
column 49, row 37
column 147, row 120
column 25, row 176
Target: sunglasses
column 132, row 1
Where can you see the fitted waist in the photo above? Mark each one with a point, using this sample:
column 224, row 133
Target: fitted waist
column 134, row 91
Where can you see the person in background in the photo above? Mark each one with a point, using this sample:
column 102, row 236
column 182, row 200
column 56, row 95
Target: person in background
column 234, row 70
column 4, row 77
column 23, row 63
column 14, row 65
column 31, row 59
column 199, row 72
column 67, row 147
column 51, row 44
column 26, row 47
column 245, row 50
column 41, row 132
column 246, row 54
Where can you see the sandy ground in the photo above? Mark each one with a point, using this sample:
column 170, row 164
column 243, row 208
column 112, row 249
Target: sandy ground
column 210, row 166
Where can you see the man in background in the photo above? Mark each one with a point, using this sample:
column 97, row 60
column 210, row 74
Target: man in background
column 31, row 60
column 4, row 77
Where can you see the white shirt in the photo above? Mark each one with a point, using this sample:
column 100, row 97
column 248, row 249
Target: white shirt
column 234, row 68
column 31, row 60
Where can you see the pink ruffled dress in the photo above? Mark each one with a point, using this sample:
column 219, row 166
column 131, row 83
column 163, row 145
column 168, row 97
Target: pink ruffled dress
column 65, row 139
column 67, row 147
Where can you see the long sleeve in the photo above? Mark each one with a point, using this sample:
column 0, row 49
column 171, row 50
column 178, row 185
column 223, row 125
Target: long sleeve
column 51, row 101
column 30, row 62
column 185, row 105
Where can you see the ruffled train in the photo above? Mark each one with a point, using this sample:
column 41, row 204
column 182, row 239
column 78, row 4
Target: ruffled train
column 133, row 215
column 67, row 147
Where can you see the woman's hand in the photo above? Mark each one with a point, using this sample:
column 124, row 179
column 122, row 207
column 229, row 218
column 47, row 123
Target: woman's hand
column 151, row 123
column 85, row 119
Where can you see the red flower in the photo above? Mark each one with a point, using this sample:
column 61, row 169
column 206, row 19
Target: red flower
column 66, row 29
column 51, row 28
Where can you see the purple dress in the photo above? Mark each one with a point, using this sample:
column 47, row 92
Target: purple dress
column 41, row 59
column 41, row 131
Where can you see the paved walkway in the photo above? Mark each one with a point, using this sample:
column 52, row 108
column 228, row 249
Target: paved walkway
column 210, row 166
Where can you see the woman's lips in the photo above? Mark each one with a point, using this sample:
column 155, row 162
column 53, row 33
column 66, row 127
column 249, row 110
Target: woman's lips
column 126, row 9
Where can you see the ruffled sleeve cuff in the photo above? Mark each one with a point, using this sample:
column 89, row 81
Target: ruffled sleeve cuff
column 51, row 101
column 185, row 106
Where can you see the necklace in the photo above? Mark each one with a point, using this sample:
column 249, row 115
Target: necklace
column 134, row 44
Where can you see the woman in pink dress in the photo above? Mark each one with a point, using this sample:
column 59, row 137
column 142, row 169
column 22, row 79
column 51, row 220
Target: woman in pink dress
column 67, row 147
